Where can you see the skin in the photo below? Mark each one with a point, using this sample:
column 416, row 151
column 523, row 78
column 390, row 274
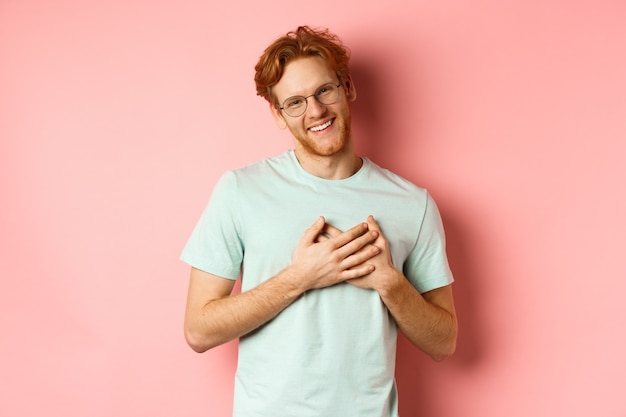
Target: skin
column 325, row 255
column 329, row 153
column 214, row 317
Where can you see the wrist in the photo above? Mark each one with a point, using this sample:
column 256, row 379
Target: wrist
column 293, row 281
column 391, row 284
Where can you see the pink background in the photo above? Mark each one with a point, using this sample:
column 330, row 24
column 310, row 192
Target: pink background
column 117, row 117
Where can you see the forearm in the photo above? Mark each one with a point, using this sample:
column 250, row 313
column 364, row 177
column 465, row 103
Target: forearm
column 428, row 320
column 214, row 317
column 224, row 319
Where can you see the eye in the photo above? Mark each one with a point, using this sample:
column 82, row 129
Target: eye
column 325, row 90
column 294, row 102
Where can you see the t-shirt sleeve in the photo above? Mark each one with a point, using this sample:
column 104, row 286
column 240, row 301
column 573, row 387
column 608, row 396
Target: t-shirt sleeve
column 215, row 245
column 427, row 265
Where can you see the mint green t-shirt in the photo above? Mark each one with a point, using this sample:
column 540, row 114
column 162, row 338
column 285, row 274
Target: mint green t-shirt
column 332, row 351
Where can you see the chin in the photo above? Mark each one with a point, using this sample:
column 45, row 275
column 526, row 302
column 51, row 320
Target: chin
column 331, row 149
column 323, row 147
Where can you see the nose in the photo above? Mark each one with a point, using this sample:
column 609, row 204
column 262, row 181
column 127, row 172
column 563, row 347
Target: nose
column 314, row 107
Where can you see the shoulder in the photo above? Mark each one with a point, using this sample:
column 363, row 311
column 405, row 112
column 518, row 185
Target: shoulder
column 257, row 176
column 392, row 180
column 267, row 166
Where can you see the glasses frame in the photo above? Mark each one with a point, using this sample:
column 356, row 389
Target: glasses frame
column 306, row 99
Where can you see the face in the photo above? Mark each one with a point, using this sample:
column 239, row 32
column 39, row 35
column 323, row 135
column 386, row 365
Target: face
column 323, row 130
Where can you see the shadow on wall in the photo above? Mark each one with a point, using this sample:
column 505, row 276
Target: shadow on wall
column 379, row 127
column 367, row 111
column 421, row 381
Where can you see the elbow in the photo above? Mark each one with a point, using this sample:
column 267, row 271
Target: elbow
column 196, row 342
column 198, row 336
column 446, row 348
column 444, row 353
column 198, row 348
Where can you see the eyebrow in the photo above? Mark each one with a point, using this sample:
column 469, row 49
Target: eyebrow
column 314, row 91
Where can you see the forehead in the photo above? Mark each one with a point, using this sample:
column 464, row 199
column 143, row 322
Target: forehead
column 302, row 76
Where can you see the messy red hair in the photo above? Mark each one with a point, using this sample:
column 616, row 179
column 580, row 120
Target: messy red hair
column 303, row 42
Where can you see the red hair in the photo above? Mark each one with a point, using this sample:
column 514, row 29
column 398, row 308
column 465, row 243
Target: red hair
column 303, row 42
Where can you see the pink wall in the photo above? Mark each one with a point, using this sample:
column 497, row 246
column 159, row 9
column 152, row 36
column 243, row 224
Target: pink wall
column 116, row 118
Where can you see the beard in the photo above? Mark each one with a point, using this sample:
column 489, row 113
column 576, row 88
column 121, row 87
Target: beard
column 315, row 148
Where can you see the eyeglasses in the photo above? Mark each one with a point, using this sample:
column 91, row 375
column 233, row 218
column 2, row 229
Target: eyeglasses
column 296, row 106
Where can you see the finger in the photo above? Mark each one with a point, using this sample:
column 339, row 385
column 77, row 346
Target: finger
column 321, row 237
column 312, row 234
column 357, row 272
column 324, row 233
column 381, row 241
column 359, row 250
column 372, row 223
column 360, row 257
column 331, row 230
column 349, row 235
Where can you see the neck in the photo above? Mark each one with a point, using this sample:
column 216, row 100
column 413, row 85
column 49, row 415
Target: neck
column 333, row 167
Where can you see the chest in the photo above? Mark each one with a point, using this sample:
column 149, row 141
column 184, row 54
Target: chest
column 274, row 219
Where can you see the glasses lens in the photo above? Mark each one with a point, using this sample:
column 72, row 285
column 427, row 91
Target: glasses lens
column 327, row 94
column 295, row 106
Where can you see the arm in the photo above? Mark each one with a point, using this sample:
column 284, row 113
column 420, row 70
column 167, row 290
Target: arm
column 428, row 320
column 213, row 316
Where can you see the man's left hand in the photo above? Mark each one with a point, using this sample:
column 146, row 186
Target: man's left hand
column 384, row 271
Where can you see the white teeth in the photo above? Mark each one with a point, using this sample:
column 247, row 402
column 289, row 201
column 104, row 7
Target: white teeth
column 322, row 127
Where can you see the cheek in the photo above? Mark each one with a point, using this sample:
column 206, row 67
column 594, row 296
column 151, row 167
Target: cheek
column 280, row 121
column 296, row 126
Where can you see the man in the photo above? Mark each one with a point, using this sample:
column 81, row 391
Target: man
column 334, row 252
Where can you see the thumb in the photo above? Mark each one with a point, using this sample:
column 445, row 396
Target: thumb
column 373, row 224
column 311, row 234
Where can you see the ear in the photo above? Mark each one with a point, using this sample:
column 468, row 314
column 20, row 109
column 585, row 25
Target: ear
column 350, row 89
column 278, row 116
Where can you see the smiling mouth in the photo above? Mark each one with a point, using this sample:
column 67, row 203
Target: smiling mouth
column 321, row 127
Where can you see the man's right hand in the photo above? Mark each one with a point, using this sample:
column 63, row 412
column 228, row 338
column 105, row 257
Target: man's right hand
column 320, row 261
column 214, row 316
